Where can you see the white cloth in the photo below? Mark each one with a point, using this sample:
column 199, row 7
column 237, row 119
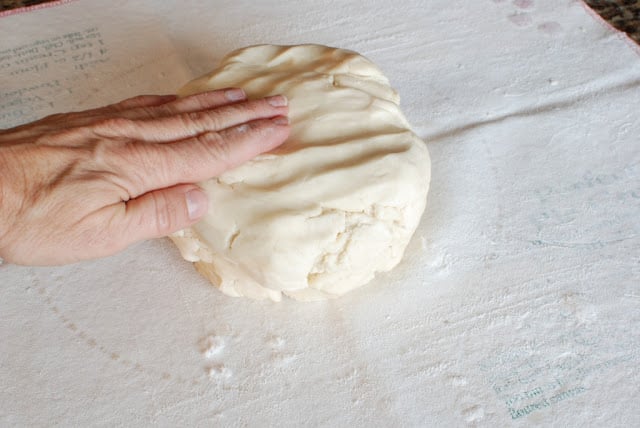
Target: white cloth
column 518, row 300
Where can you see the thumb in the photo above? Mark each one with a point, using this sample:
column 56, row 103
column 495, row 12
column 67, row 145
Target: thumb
column 161, row 212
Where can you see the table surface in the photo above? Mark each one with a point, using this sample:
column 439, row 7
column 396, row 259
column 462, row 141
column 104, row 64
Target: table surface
column 622, row 14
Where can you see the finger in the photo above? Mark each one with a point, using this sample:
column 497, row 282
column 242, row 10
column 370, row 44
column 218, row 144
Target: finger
column 115, row 116
column 151, row 166
column 184, row 125
column 140, row 101
column 162, row 212
column 201, row 101
column 143, row 101
column 210, row 154
column 191, row 103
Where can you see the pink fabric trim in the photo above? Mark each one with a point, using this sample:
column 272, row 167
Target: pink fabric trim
column 606, row 24
column 34, row 7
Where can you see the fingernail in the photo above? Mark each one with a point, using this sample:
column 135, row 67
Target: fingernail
column 280, row 120
column 196, row 203
column 235, row 94
column 278, row 101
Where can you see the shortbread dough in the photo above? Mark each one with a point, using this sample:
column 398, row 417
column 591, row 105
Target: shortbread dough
column 338, row 202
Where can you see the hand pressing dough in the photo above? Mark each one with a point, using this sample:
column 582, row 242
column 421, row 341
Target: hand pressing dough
column 338, row 202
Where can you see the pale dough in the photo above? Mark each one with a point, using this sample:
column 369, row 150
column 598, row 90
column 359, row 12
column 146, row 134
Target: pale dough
column 335, row 204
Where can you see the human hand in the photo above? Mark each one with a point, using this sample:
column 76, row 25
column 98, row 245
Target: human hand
column 88, row 184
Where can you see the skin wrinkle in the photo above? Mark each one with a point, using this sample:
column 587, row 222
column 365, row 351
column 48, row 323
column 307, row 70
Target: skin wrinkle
column 102, row 166
column 3, row 230
column 216, row 147
column 92, row 165
column 196, row 121
column 132, row 173
column 96, row 236
column 113, row 127
column 163, row 215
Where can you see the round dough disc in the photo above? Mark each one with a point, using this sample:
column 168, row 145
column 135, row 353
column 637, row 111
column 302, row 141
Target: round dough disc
column 335, row 204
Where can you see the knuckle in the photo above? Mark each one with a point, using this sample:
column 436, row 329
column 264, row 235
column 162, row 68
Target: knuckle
column 243, row 111
column 113, row 125
column 197, row 101
column 140, row 163
column 148, row 112
column 251, row 129
column 159, row 111
column 208, row 139
column 203, row 99
column 199, row 121
column 250, row 108
column 165, row 214
column 217, row 147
